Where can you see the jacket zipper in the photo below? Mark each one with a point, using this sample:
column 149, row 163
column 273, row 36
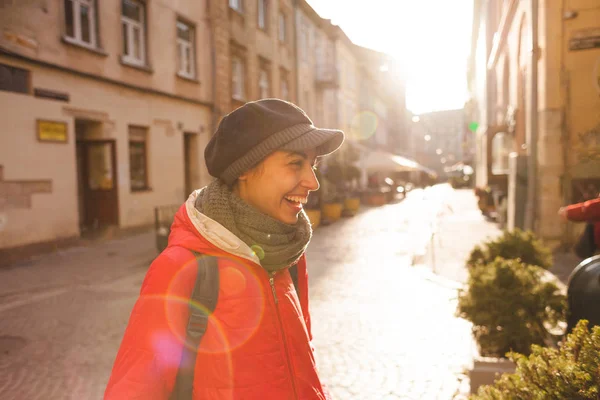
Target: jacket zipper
column 287, row 353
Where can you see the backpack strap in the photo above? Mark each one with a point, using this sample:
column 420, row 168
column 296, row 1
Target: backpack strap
column 202, row 303
column 294, row 275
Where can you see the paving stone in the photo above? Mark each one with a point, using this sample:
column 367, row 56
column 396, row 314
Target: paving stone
column 382, row 327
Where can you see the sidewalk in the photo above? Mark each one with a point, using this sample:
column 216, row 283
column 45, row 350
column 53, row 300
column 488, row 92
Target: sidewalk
column 460, row 227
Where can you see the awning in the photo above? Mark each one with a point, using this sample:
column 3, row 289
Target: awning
column 377, row 160
column 372, row 160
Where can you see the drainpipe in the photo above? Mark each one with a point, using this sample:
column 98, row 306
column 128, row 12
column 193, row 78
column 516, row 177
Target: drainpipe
column 296, row 58
column 216, row 109
column 533, row 137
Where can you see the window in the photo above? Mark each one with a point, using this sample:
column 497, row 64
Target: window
column 284, row 89
column 185, row 50
column 262, row 14
column 236, row 5
column 134, row 32
column 501, row 149
column 80, row 21
column 282, row 27
column 14, row 79
column 303, row 41
column 237, row 79
column 263, row 84
column 138, row 158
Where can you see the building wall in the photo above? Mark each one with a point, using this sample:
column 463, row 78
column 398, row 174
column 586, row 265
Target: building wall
column 39, row 199
column 318, row 77
column 445, row 131
column 246, row 40
column 36, row 30
column 567, row 114
column 348, row 93
column 307, row 34
column 24, row 158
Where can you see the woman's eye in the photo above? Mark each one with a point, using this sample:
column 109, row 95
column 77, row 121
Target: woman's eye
column 297, row 163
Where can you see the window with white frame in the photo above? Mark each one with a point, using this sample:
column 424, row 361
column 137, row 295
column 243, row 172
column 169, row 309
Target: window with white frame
column 263, row 84
column 282, row 27
column 134, row 31
column 185, row 49
column 236, row 5
column 237, row 79
column 262, row 14
column 80, row 21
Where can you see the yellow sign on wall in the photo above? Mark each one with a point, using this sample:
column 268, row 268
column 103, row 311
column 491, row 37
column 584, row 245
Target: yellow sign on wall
column 52, row 131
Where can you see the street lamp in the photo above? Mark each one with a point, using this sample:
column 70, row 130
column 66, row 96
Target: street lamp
column 438, row 151
column 416, row 118
column 427, row 138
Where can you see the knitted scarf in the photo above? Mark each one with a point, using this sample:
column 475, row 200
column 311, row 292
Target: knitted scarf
column 277, row 245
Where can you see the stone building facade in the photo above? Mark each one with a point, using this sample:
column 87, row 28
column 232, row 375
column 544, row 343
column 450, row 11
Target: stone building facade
column 318, row 77
column 438, row 138
column 255, row 51
column 105, row 112
column 535, row 85
column 108, row 105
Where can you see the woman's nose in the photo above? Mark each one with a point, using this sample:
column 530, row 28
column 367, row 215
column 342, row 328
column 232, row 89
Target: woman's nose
column 310, row 181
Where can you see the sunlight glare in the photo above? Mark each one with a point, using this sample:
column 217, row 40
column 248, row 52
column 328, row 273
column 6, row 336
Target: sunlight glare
column 429, row 38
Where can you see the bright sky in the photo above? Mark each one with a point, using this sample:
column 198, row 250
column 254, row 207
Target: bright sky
column 430, row 38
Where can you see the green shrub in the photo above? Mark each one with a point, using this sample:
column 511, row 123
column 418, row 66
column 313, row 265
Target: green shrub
column 510, row 306
column 569, row 372
column 523, row 245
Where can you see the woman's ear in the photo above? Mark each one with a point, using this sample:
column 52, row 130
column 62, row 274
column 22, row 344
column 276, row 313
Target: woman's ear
column 243, row 176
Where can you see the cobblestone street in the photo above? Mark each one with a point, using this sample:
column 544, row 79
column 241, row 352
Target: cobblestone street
column 382, row 327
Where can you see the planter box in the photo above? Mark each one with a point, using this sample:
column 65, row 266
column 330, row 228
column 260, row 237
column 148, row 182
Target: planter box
column 332, row 211
column 487, row 369
column 351, row 206
column 314, row 216
column 375, row 199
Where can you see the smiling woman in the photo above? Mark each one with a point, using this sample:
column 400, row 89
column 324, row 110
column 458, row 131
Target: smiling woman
column 251, row 219
column 280, row 185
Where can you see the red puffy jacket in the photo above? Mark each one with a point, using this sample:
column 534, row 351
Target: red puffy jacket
column 588, row 211
column 258, row 341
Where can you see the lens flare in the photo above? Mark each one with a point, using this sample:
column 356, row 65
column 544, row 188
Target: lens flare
column 260, row 253
column 239, row 312
column 364, row 125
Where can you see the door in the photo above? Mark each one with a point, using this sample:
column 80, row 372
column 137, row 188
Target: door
column 98, row 183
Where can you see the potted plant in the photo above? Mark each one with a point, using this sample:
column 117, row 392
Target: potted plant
column 485, row 200
column 332, row 199
column 313, row 207
column 517, row 244
column 512, row 307
column 352, row 198
column 570, row 372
